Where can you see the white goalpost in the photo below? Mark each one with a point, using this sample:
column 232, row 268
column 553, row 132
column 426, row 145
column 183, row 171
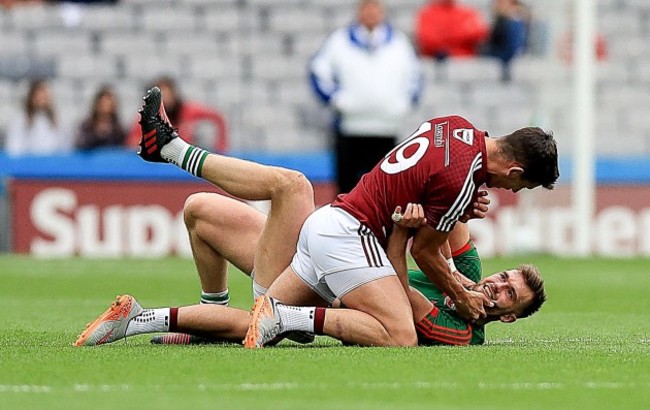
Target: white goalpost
column 584, row 179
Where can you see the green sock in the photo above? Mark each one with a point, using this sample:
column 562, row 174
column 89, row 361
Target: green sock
column 193, row 160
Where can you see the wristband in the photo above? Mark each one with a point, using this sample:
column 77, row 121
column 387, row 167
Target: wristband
column 451, row 264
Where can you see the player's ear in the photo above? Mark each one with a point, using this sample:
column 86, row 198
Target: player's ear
column 507, row 318
column 515, row 169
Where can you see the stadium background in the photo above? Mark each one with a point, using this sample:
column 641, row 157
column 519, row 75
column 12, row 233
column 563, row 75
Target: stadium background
column 74, row 228
column 248, row 59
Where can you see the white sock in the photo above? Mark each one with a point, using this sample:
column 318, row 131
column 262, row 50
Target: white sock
column 184, row 155
column 150, row 321
column 258, row 290
column 215, row 298
column 296, row 318
column 174, row 151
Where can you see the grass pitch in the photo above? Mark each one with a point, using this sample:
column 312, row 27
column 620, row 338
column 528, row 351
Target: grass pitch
column 589, row 348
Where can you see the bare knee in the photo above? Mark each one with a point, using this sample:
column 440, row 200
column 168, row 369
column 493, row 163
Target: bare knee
column 194, row 207
column 403, row 336
column 294, row 183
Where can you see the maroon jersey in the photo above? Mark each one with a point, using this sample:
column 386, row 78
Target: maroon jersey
column 441, row 166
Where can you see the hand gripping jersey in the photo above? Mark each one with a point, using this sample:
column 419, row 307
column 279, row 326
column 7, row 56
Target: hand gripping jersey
column 443, row 326
column 440, row 166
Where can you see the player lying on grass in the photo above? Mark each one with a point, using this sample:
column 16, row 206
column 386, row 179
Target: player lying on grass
column 359, row 272
column 224, row 224
column 515, row 293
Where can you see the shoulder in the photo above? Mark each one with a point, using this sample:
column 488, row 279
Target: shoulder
column 459, row 122
column 19, row 117
column 399, row 36
column 340, row 35
column 86, row 124
column 468, row 11
column 335, row 40
column 451, row 119
column 464, row 131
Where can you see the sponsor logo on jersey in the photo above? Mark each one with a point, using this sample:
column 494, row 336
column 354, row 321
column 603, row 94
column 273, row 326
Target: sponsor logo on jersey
column 441, row 139
column 449, row 303
column 439, row 134
column 464, row 134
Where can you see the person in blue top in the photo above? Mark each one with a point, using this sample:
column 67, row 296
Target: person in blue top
column 370, row 76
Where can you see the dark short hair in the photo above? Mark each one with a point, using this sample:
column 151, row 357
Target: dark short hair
column 536, row 151
column 535, row 282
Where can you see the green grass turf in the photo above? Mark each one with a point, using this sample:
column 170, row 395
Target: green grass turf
column 589, row 348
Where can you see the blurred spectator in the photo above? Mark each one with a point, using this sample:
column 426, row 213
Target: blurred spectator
column 91, row 1
column 508, row 34
column 13, row 3
column 102, row 128
column 445, row 28
column 369, row 74
column 186, row 115
column 35, row 129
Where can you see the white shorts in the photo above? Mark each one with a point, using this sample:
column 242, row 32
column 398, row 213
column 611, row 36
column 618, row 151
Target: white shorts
column 336, row 254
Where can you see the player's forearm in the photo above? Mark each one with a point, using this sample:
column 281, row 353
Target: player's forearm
column 435, row 267
column 445, row 249
column 396, row 252
column 446, row 252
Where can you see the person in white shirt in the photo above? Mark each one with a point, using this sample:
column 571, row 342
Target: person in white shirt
column 369, row 74
column 35, row 131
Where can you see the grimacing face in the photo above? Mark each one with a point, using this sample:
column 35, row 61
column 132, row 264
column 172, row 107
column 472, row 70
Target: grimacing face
column 509, row 292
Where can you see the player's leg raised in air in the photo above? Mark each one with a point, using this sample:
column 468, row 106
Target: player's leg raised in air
column 290, row 193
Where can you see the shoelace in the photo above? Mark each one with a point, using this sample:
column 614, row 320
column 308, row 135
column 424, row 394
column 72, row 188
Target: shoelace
column 164, row 125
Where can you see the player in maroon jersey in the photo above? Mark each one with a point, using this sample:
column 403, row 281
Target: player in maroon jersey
column 341, row 249
column 340, row 252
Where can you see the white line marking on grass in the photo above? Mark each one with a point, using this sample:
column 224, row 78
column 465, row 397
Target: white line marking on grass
column 24, row 388
column 263, row 386
column 522, row 386
column 418, row 385
column 606, row 385
column 101, row 387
